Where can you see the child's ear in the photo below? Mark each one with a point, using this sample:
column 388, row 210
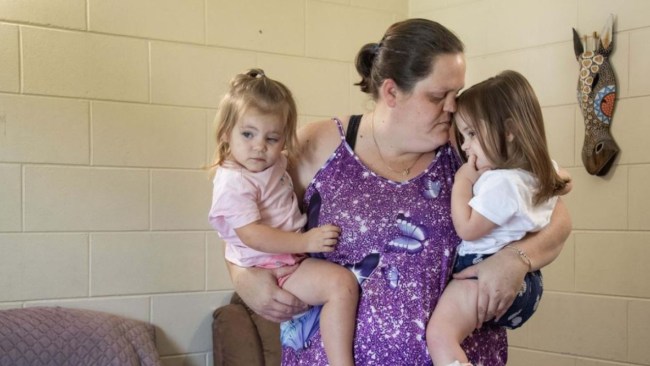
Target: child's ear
column 510, row 126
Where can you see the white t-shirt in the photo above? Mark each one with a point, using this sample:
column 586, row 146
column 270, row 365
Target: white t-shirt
column 505, row 197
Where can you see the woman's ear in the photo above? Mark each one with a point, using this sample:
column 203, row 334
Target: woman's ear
column 388, row 92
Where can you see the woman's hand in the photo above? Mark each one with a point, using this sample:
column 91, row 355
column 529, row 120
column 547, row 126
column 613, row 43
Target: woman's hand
column 259, row 290
column 499, row 279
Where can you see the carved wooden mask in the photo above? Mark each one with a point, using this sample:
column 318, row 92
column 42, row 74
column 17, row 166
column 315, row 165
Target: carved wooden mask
column 597, row 97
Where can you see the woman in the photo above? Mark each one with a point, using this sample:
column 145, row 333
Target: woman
column 385, row 178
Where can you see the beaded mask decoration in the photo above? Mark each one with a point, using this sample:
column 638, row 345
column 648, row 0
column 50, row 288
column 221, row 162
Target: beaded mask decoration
column 597, row 97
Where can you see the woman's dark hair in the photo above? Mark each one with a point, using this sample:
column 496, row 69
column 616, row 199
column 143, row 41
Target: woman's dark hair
column 405, row 54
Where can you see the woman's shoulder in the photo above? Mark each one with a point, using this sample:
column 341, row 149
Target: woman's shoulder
column 317, row 141
column 322, row 130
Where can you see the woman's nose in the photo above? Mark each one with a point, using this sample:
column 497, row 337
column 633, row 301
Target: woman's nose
column 450, row 103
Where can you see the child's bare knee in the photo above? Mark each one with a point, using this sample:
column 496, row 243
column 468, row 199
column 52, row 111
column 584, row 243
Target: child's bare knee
column 433, row 332
column 345, row 283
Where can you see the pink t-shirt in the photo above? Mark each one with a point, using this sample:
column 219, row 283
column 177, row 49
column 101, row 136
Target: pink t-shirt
column 241, row 197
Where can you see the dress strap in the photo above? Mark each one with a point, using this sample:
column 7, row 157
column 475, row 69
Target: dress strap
column 353, row 129
column 339, row 125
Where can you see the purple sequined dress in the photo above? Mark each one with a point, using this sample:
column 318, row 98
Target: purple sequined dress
column 399, row 240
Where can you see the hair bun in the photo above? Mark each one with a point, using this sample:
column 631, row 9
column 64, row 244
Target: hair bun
column 256, row 73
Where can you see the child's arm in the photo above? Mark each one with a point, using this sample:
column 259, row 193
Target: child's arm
column 469, row 224
column 270, row 240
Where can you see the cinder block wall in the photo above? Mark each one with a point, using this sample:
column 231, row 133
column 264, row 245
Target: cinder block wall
column 596, row 309
column 106, row 111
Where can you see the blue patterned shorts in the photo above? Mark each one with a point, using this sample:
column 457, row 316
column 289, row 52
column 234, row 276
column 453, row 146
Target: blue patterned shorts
column 526, row 301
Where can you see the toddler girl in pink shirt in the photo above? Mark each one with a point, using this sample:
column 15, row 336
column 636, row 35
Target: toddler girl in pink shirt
column 255, row 210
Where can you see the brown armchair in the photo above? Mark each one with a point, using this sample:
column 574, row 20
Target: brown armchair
column 242, row 338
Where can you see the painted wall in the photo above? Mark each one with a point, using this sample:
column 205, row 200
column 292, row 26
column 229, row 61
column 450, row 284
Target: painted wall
column 106, row 111
column 596, row 309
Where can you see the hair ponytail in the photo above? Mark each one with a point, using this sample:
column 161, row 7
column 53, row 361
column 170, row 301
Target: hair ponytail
column 365, row 59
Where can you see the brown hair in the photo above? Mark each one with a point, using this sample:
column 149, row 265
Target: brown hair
column 405, row 54
column 254, row 89
column 504, row 112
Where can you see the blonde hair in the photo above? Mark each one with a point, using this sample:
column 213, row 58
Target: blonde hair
column 506, row 115
column 254, row 90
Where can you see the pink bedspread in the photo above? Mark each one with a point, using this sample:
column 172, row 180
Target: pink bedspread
column 55, row 336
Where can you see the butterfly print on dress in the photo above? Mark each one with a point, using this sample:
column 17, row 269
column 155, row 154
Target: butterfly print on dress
column 365, row 267
column 410, row 237
column 432, row 189
column 391, row 274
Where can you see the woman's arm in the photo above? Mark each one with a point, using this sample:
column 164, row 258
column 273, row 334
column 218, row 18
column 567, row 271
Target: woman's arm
column 259, row 290
column 501, row 275
column 544, row 246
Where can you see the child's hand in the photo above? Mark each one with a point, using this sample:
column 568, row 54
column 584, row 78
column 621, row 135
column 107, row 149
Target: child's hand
column 322, row 239
column 468, row 170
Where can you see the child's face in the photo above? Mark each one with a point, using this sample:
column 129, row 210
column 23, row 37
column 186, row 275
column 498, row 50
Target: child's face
column 471, row 144
column 257, row 140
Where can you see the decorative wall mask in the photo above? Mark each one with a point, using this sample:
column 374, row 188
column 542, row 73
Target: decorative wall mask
column 597, row 97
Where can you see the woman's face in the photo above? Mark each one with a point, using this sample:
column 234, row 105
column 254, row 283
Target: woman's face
column 426, row 111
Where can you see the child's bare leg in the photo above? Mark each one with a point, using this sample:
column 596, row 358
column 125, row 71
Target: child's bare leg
column 453, row 319
column 335, row 287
